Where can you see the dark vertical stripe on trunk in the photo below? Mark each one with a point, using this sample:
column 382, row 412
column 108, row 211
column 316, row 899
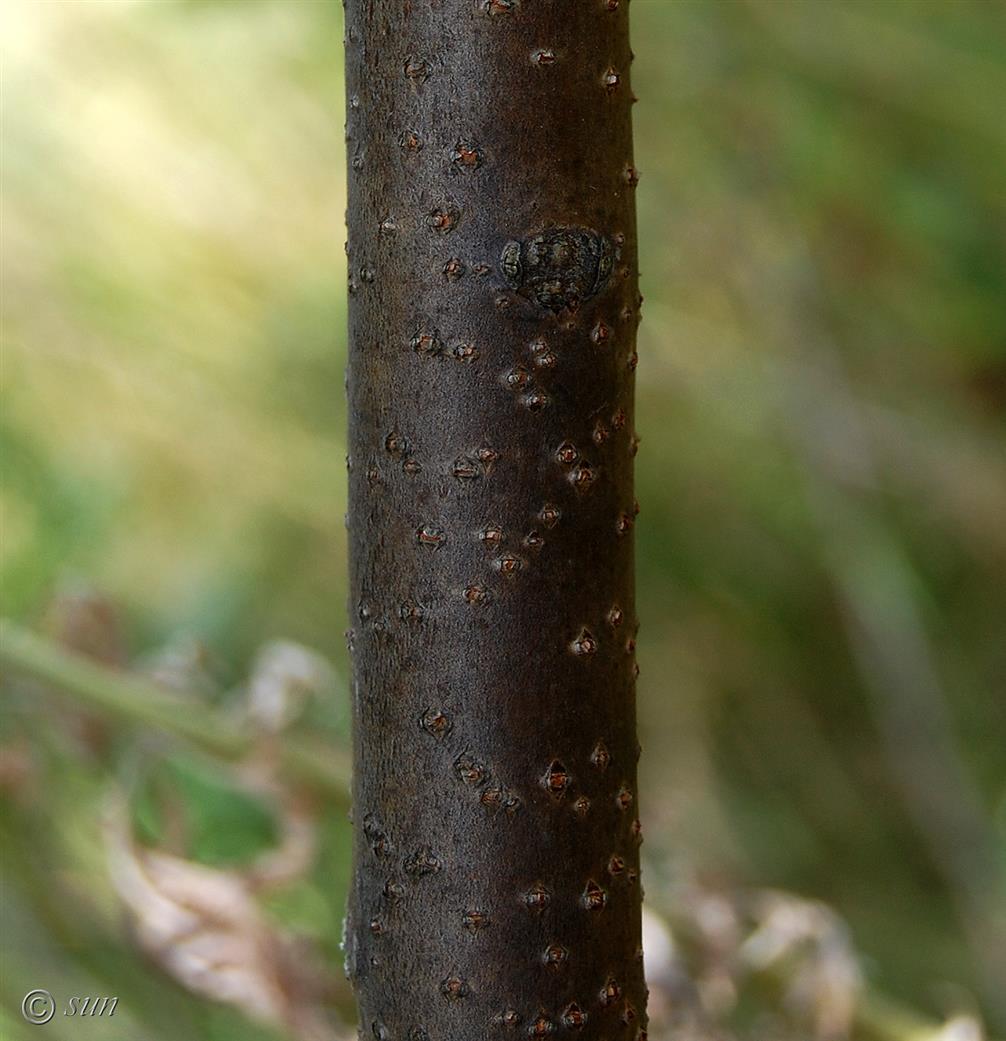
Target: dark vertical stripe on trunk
column 493, row 309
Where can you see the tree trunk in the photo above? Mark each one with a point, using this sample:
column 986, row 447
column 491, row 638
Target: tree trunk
column 493, row 309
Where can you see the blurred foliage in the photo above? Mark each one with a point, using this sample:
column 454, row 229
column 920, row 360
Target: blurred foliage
column 822, row 549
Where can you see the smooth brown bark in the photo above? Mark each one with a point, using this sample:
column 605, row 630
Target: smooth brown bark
column 493, row 309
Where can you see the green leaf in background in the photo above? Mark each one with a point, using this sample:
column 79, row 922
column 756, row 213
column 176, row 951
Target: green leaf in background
column 187, row 797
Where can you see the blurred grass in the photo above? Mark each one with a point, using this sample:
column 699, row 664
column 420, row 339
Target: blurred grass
column 821, row 401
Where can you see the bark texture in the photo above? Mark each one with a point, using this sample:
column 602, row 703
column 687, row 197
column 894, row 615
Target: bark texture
column 493, row 310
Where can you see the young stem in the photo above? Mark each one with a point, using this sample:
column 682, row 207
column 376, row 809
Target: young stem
column 493, row 311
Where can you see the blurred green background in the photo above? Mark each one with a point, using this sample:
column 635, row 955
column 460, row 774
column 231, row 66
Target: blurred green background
column 821, row 396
